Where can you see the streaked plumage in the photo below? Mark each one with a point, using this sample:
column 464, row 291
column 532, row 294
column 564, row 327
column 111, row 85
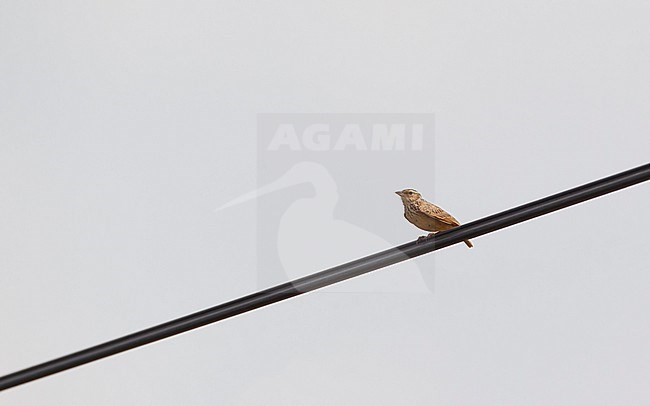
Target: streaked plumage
column 426, row 215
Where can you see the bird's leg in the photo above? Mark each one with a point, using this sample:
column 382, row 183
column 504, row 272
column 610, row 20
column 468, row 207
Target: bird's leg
column 425, row 237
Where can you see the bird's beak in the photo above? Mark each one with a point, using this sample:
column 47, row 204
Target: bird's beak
column 398, row 193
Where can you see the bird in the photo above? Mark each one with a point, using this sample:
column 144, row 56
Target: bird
column 426, row 215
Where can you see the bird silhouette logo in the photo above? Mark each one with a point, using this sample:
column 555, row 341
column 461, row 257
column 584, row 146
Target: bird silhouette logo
column 311, row 238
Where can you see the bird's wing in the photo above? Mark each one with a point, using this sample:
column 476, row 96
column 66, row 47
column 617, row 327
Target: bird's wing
column 432, row 210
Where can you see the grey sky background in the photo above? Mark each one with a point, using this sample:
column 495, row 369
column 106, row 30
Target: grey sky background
column 124, row 124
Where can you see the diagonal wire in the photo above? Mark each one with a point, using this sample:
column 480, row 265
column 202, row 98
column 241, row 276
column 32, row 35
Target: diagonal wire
column 333, row 275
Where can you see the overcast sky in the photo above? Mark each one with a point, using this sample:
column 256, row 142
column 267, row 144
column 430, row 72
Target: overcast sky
column 125, row 124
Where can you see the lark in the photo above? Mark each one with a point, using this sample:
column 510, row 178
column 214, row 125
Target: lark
column 425, row 215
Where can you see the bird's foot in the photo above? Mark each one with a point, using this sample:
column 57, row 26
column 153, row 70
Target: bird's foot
column 424, row 237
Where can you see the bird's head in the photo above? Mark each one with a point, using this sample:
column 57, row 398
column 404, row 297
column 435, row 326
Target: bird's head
column 408, row 195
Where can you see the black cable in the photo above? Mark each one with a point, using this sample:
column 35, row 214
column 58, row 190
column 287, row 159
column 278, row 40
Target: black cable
column 332, row 275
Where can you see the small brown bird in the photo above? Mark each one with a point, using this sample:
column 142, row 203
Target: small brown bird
column 425, row 215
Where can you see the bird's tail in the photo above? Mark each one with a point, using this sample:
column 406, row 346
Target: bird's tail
column 468, row 243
